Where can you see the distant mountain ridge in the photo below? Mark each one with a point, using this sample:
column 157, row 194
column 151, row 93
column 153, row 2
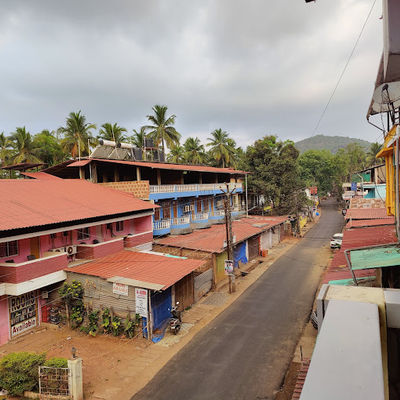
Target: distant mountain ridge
column 332, row 143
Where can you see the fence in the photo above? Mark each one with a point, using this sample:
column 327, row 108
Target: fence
column 54, row 382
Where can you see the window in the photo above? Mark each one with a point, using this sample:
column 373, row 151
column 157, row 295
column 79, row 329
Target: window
column 9, row 249
column 83, row 234
column 119, row 226
column 156, row 214
column 166, row 211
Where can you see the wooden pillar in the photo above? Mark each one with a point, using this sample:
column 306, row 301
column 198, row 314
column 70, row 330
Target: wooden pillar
column 94, row 172
column 81, row 172
column 116, row 174
column 138, row 177
column 158, row 177
column 182, row 178
column 201, row 178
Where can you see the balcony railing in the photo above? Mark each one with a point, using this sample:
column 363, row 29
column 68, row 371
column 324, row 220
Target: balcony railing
column 200, row 216
column 201, row 187
column 181, row 220
column 219, row 213
column 164, row 224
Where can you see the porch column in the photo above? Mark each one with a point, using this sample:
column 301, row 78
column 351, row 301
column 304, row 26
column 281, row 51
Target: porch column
column 182, row 178
column 158, row 177
column 94, row 172
column 138, row 177
column 81, row 172
column 116, row 174
column 201, row 178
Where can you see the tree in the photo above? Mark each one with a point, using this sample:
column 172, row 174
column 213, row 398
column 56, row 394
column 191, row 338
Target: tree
column 77, row 133
column 222, row 148
column 23, row 146
column 194, row 151
column 176, row 154
column 374, row 149
column 5, row 149
column 162, row 129
column 138, row 139
column 274, row 173
column 48, row 147
column 112, row 132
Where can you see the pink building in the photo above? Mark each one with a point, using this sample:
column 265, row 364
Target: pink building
column 47, row 226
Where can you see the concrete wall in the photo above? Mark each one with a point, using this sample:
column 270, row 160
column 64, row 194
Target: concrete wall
column 4, row 320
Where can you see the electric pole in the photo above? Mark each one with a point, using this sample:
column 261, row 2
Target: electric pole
column 229, row 235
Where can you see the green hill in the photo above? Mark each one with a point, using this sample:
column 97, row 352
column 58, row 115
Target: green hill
column 332, row 143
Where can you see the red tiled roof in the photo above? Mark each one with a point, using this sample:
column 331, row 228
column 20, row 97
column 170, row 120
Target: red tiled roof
column 366, row 213
column 40, row 175
column 34, row 202
column 179, row 167
column 363, row 237
column 143, row 267
column 212, row 239
column 361, row 223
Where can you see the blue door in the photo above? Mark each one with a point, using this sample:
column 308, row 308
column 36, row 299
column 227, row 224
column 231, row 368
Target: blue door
column 239, row 254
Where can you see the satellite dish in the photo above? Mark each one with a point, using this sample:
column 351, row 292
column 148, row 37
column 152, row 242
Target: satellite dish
column 386, row 96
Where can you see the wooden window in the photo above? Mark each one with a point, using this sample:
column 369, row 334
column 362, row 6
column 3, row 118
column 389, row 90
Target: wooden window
column 199, row 206
column 9, row 249
column 119, row 226
column 156, row 214
column 83, row 234
column 167, row 211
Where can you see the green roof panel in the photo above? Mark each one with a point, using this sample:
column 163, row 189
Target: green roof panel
column 378, row 257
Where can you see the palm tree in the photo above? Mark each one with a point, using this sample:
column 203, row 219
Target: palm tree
column 374, row 149
column 176, row 154
column 194, row 151
column 5, row 148
column 138, row 138
column 112, row 132
column 23, row 146
column 222, row 148
column 77, row 133
column 162, row 130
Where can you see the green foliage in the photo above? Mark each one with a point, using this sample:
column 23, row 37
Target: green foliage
column 93, row 317
column 193, row 151
column 106, row 317
column 56, row 362
column 112, row 132
column 19, row 372
column 48, row 148
column 116, row 326
column 222, row 148
column 77, row 315
column 130, row 326
column 73, row 297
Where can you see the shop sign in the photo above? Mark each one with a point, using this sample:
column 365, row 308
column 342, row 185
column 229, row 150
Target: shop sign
column 228, row 267
column 120, row 288
column 141, row 302
column 22, row 313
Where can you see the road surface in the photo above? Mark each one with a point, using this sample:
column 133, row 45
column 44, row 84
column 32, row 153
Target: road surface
column 244, row 353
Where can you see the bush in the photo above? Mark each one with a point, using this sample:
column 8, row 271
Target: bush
column 56, row 362
column 19, row 372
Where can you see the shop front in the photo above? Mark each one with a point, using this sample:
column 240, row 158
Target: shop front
column 23, row 313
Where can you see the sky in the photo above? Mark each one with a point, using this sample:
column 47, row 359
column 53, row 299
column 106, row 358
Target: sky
column 252, row 68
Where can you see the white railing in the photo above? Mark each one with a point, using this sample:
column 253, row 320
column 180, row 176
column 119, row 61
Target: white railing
column 181, row 220
column 164, row 224
column 192, row 188
column 200, row 216
column 219, row 213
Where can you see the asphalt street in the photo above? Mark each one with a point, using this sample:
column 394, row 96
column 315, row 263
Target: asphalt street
column 245, row 351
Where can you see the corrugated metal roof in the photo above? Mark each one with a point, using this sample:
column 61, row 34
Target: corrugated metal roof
column 79, row 163
column 379, row 257
column 179, row 167
column 362, row 223
column 138, row 266
column 366, row 213
column 212, row 239
column 35, row 202
column 40, row 175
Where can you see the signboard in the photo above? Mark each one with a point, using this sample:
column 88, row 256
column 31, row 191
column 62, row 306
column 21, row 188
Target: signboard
column 228, row 267
column 141, row 302
column 120, row 288
column 22, row 313
column 354, row 186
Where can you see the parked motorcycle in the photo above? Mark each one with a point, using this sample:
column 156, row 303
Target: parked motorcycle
column 175, row 322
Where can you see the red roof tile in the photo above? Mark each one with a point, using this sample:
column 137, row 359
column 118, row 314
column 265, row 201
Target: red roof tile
column 179, row 167
column 40, row 175
column 366, row 213
column 361, row 223
column 212, row 239
column 34, row 202
column 143, row 267
column 363, row 237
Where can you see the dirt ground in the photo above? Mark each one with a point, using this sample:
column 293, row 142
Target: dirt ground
column 116, row 368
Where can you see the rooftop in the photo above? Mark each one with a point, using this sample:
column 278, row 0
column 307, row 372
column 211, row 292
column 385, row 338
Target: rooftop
column 362, row 223
column 212, row 239
column 366, row 213
column 35, row 202
column 141, row 269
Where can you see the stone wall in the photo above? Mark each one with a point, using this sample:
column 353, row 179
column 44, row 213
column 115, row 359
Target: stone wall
column 139, row 189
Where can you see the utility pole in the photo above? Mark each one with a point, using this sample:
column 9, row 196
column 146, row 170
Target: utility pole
column 229, row 235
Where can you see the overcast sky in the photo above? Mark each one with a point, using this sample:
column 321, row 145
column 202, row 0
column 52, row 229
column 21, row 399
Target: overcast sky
column 249, row 67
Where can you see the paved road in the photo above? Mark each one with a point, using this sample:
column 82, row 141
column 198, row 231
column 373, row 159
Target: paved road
column 244, row 352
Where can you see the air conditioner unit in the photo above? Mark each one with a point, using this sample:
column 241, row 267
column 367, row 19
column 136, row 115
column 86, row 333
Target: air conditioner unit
column 58, row 250
column 45, row 294
column 71, row 250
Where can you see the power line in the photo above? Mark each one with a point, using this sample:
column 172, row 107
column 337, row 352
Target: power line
column 344, row 69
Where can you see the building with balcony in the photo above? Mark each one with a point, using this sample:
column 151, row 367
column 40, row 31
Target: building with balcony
column 190, row 196
column 49, row 225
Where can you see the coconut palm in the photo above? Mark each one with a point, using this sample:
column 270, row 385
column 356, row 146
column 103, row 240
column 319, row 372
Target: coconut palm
column 374, row 149
column 138, row 138
column 176, row 154
column 77, row 133
column 23, row 146
column 162, row 129
column 194, row 151
column 5, row 149
column 112, row 132
column 222, row 148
